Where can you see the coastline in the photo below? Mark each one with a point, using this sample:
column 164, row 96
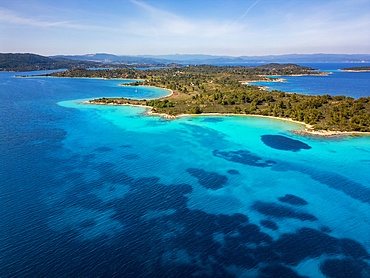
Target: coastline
column 264, row 88
column 306, row 131
column 73, row 77
column 321, row 73
column 263, row 80
column 279, row 78
column 166, row 89
column 355, row 70
column 148, row 86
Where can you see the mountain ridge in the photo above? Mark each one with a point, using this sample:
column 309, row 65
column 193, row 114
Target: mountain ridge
column 30, row 61
column 214, row 59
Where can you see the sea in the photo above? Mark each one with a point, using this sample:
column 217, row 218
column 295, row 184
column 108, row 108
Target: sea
column 109, row 191
column 336, row 83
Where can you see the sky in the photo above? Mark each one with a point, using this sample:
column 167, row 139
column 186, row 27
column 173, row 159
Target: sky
column 154, row 27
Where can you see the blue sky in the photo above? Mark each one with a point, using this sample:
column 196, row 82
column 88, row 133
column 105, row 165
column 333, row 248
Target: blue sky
column 218, row 27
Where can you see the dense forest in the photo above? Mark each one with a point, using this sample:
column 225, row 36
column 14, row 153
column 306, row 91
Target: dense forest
column 226, row 89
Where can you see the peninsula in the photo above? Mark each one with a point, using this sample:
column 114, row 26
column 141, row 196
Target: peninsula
column 227, row 90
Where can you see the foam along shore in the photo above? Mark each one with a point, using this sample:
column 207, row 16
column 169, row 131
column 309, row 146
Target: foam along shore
column 307, row 129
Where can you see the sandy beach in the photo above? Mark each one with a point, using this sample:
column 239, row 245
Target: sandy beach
column 308, row 129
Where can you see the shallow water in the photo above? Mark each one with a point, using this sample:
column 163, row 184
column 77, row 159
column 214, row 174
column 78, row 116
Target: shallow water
column 91, row 191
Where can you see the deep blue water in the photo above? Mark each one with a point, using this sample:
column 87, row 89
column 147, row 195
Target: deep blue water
column 338, row 83
column 106, row 191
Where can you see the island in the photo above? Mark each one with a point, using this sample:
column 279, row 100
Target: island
column 209, row 89
column 357, row 69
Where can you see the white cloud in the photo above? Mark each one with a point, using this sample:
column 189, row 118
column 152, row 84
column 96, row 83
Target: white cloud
column 159, row 22
column 10, row 17
column 139, row 26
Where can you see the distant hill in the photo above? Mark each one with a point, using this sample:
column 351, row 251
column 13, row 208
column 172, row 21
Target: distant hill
column 28, row 61
column 115, row 59
column 288, row 58
column 214, row 60
column 311, row 58
column 185, row 57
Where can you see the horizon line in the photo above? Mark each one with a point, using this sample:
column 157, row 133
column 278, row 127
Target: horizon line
column 187, row 54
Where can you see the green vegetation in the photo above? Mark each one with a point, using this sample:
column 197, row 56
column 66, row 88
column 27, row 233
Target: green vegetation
column 27, row 62
column 364, row 68
column 213, row 89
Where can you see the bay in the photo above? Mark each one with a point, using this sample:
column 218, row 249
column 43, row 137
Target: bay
column 353, row 84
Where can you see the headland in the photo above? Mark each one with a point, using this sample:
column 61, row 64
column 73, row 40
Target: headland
column 226, row 90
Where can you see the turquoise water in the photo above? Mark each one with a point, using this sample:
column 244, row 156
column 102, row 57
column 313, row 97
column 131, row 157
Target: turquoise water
column 106, row 191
